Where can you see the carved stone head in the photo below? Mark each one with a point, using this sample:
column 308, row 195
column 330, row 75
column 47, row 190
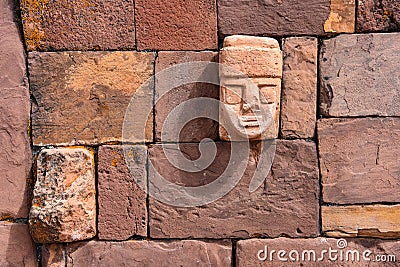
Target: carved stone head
column 250, row 76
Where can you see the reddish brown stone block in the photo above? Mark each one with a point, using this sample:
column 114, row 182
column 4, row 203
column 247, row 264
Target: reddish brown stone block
column 15, row 158
column 78, row 24
column 379, row 221
column 287, row 203
column 272, row 18
column 16, row 245
column 64, row 198
column 359, row 77
column 197, row 129
column 176, row 25
column 299, row 93
column 300, row 252
column 150, row 253
column 359, row 160
column 378, row 15
column 81, row 98
column 122, row 203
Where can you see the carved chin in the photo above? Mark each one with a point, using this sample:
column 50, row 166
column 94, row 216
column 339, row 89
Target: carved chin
column 253, row 132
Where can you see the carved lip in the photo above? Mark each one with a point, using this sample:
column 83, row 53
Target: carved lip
column 250, row 121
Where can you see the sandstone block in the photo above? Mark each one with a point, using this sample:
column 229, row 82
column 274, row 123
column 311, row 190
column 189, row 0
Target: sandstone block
column 364, row 221
column 82, row 97
column 64, row 198
column 359, row 75
column 342, row 17
column 16, row 245
column 359, row 160
column 272, row 18
column 299, row 92
column 150, row 253
column 176, row 25
column 53, row 255
column 300, row 252
column 15, row 159
column 286, row 204
column 78, row 24
column 197, row 129
column 378, row 15
column 122, row 203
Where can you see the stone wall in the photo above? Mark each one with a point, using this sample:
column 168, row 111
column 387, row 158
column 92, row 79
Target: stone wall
column 77, row 189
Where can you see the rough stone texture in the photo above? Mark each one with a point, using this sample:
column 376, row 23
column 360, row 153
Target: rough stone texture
column 299, row 92
column 364, row 221
column 78, row 24
column 150, row 253
column 272, row 17
column 15, row 159
column 176, row 24
column 378, row 15
column 342, row 17
column 16, row 246
column 287, row 204
column 359, row 160
column 260, row 59
column 247, row 252
column 197, row 129
column 81, row 98
column 122, row 203
column 359, row 75
column 53, row 255
column 64, row 198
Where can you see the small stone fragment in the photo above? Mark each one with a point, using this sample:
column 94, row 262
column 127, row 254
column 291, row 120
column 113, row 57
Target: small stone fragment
column 379, row 221
column 64, row 198
column 53, row 255
column 342, row 17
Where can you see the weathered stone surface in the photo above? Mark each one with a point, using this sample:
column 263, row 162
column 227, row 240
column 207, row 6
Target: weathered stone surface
column 197, row 129
column 176, row 24
column 247, row 107
column 272, row 17
column 16, row 245
column 64, row 198
column 78, row 24
column 359, row 160
column 359, row 75
column 150, row 253
column 81, row 98
column 122, row 203
column 378, row 15
column 287, row 204
column 342, row 17
column 15, row 159
column 248, row 252
column 299, row 92
column 53, row 255
column 364, row 221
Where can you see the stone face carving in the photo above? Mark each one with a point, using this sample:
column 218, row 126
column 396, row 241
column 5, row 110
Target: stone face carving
column 250, row 76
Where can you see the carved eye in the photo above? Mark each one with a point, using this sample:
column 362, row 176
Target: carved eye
column 233, row 94
column 267, row 94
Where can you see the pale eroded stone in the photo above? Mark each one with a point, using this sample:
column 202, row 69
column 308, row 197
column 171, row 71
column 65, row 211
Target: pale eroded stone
column 342, row 16
column 64, row 198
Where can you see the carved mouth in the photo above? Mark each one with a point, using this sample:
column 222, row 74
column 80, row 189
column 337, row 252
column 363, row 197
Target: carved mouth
column 250, row 121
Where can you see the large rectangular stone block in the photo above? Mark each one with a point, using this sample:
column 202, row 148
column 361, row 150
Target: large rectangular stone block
column 286, row 204
column 176, row 24
column 64, row 198
column 317, row 252
column 382, row 221
column 359, row 75
column 299, row 92
column 82, row 97
column 15, row 158
column 150, row 253
column 78, row 24
column 122, row 202
column 360, row 160
column 272, row 17
column 199, row 128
